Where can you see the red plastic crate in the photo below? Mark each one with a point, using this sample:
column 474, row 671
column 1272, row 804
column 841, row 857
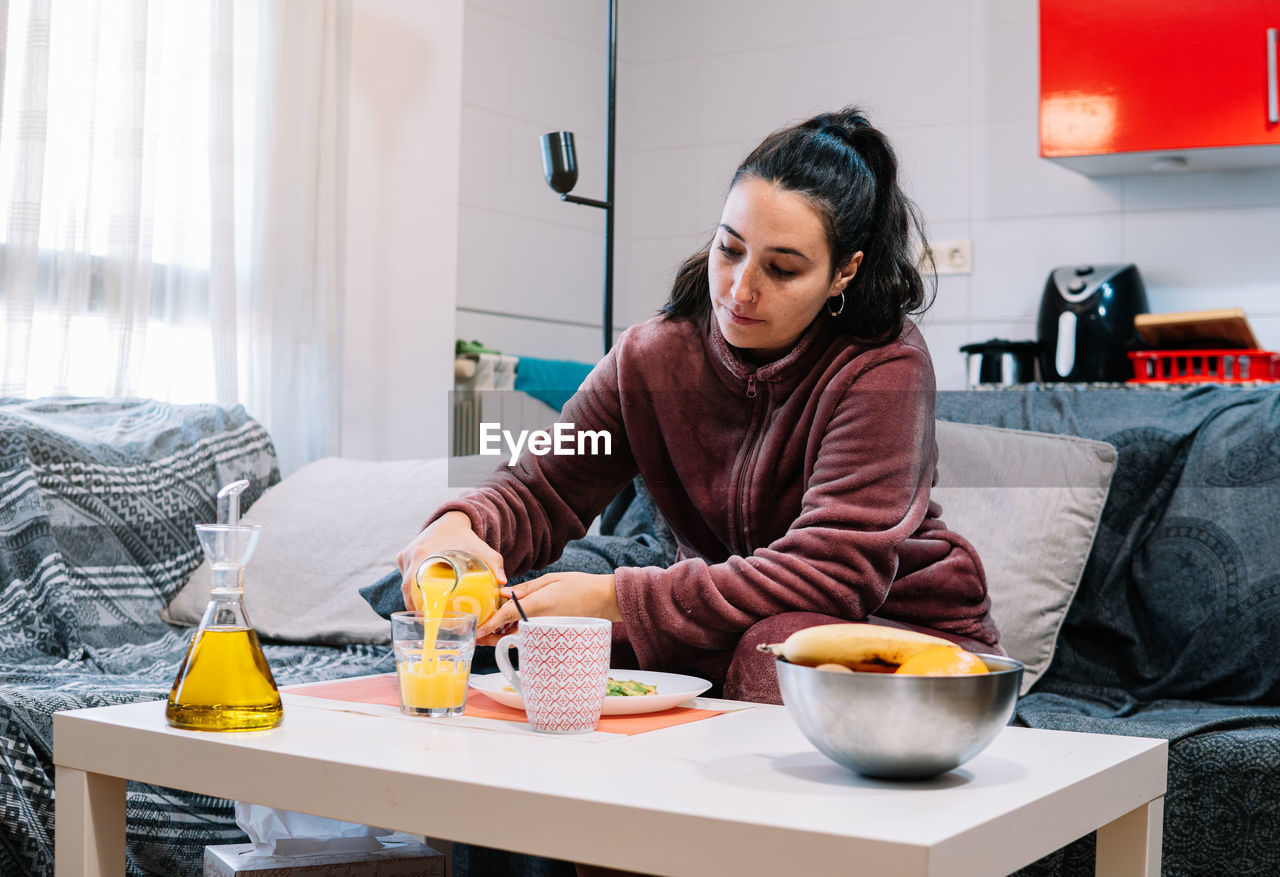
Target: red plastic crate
column 1204, row 366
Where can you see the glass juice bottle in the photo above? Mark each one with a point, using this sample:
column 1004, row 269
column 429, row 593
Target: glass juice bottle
column 455, row 581
column 224, row 683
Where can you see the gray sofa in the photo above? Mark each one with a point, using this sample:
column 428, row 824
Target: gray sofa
column 1175, row 629
column 98, row 502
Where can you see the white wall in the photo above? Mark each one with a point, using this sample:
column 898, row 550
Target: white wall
column 530, row 267
column 955, row 85
column 404, row 114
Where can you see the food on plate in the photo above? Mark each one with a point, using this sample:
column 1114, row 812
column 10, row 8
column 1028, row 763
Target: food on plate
column 873, row 648
column 628, row 688
column 942, row 661
column 616, row 688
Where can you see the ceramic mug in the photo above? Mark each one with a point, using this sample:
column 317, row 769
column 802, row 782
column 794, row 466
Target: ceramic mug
column 564, row 670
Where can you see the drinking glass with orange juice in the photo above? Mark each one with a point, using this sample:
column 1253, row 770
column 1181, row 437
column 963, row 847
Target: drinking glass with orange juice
column 433, row 660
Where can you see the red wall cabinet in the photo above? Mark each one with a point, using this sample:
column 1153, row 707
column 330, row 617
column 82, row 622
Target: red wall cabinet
column 1140, row 85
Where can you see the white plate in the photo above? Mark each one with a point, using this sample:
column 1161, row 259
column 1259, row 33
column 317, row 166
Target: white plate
column 673, row 690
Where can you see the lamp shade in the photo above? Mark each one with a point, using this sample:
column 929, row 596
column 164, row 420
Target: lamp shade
column 559, row 161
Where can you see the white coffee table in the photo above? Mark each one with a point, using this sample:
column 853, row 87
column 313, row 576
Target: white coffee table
column 740, row 793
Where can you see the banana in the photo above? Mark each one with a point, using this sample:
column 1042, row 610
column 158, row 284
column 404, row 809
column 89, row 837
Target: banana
column 859, row 646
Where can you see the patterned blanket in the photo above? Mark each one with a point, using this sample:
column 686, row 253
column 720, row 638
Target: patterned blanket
column 98, row 502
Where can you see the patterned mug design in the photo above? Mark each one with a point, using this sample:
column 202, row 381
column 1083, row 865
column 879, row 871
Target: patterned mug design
column 564, row 669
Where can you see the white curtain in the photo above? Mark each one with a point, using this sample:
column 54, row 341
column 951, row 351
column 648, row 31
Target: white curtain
column 170, row 224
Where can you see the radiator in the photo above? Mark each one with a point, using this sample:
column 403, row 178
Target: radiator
column 484, row 392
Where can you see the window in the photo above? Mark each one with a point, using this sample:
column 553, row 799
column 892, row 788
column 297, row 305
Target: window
column 169, row 204
column 121, row 125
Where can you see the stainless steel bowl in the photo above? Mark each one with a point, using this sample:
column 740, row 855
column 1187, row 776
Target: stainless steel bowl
column 900, row 727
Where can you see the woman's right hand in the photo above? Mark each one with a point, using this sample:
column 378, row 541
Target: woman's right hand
column 450, row 530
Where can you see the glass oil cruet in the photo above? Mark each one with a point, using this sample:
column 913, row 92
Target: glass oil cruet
column 224, row 683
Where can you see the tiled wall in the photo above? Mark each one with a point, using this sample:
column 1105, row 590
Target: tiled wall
column 953, row 82
column 531, row 267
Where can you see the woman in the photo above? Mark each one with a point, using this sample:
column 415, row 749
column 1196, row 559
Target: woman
column 781, row 412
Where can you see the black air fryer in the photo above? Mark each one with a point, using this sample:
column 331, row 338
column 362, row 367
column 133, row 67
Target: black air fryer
column 1086, row 322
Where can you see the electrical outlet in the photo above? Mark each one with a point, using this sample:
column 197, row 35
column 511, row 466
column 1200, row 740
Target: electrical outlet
column 954, row 256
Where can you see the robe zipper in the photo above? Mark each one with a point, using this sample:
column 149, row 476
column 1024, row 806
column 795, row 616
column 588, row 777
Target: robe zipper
column 740, row 534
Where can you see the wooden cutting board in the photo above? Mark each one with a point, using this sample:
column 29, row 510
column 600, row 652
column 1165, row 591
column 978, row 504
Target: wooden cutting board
column 1224, row 327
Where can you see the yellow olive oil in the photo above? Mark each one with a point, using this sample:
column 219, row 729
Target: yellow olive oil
column 224, row 684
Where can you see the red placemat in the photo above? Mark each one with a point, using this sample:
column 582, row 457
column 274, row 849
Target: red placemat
column 383, row 691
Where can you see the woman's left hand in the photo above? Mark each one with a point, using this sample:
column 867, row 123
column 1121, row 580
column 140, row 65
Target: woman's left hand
column 557, row 593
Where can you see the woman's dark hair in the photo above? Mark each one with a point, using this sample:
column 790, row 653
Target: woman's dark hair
column 847, row 170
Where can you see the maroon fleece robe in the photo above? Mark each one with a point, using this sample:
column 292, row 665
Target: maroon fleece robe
column 799, row 486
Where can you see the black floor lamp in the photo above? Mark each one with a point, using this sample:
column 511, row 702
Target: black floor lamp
column 560, row 166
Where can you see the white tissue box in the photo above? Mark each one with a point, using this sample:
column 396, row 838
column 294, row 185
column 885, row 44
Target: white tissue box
column 400, row 860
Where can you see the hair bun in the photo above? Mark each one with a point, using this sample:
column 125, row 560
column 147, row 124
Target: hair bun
column 852, row 119
column 838, row 132
column 846, row 124
column 849, row 120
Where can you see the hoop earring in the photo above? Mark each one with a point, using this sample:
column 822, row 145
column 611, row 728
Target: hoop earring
column 838, row 311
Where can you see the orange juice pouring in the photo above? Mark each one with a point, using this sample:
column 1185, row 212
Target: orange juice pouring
column 433, row 678
column 455, row 581
column 433, row 659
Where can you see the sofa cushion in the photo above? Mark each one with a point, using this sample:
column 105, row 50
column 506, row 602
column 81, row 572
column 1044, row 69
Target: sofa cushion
column 1181, row 595
column 329, row 529
column 1030, row 504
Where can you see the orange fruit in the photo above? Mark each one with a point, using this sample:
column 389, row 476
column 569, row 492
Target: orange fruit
column 942, row 661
